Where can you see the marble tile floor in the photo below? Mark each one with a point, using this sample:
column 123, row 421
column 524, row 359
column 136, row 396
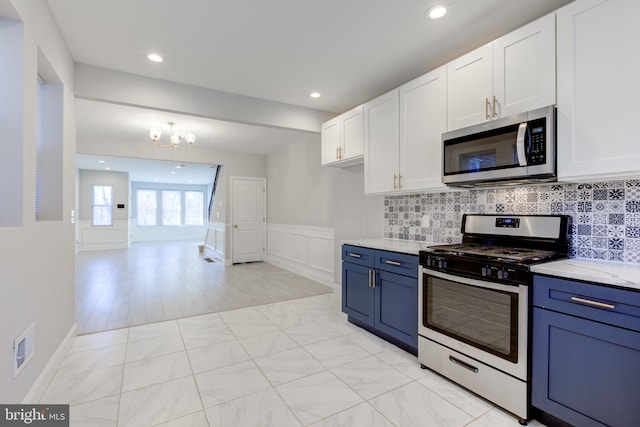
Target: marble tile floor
column 290, row 363
column 156, row 281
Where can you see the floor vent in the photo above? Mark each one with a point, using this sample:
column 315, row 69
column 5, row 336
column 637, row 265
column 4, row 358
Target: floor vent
column 209, row 259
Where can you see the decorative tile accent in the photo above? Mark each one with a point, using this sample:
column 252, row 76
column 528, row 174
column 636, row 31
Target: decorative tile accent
column 605, row 215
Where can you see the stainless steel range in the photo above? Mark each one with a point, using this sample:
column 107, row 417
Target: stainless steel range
column 474, row 303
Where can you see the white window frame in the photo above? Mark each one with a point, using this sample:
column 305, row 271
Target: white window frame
column 94, row 205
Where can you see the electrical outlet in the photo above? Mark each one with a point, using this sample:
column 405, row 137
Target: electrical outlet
column 22, row 350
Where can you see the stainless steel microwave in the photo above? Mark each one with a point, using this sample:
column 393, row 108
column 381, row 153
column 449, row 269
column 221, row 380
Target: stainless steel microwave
column 516, row 149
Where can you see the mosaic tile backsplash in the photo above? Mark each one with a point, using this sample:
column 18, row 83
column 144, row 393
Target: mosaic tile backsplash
column 605, row 215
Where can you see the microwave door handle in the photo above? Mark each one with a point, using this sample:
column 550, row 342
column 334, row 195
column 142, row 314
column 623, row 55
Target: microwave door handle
column 522, row 155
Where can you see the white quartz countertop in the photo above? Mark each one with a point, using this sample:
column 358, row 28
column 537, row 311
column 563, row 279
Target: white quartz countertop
column 607, row 273
column 395, row 245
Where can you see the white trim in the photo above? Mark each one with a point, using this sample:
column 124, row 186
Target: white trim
column 36, row 392
column 214, row 240
column 304, row 250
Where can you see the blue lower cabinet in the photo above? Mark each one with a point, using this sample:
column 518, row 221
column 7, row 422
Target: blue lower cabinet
column 358, row 296
column 396, row 311
column 383, row 302
column 584, row 372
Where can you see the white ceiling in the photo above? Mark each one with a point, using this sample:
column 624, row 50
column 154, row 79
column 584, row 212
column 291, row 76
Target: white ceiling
column 150, row 170
column 280, row 50
column 104, row 122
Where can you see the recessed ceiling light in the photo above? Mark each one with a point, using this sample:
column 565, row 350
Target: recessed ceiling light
column 154, row 57
column 107, row 168
column 437, row 11
column 173, row 172
column 100, row 161
column 157, row 179
column 315, row 94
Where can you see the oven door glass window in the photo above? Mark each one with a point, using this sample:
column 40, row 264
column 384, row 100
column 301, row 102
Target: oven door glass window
column 481, row 317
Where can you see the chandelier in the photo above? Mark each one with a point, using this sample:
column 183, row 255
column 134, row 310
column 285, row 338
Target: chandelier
column 178, row 139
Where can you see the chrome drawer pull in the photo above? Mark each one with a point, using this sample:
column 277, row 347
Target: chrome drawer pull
column 593, row 303
column 393, row 262
column 355, row 255
column 463, row 364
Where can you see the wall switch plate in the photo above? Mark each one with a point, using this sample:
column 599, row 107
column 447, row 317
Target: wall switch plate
column 22, row 350
column 426, row 220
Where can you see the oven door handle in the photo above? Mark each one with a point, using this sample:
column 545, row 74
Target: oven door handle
column 520, row 140
column 463, row 364
column 512, row 289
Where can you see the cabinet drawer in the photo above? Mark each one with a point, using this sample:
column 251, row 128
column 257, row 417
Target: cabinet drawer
column 599, row 303
column 395, row 262
column 358, row 255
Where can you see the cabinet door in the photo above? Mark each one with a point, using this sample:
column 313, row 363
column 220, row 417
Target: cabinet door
column 353, row 133
column 524, row 68
column 469, row 91
column 381, row 136
column 357, row 295
column 330, row 140
column 423, row 118
column 396, row 311
column 585, row 373
column 598, row 84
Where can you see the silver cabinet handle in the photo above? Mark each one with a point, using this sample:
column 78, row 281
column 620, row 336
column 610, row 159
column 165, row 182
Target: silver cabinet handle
column 593, row 303
column 355, row 255
column 393, row 262
column 370, row 271
column 373, row 278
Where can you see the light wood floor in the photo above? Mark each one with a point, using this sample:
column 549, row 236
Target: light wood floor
column 151, row 282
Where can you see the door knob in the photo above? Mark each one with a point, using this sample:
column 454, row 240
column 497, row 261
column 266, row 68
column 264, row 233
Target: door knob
column 235, row 226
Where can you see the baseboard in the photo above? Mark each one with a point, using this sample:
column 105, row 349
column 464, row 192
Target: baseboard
column 42, row 382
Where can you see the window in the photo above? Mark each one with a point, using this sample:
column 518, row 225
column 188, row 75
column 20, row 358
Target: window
column 169, row 207
column 193, row 207
column 102, row 204
column 147, row 207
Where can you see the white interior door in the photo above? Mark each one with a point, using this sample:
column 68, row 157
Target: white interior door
column 248, row 219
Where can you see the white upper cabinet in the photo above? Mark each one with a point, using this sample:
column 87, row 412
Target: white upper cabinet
column 342, row 138
column 598, row 87
column 403, row 136
column 515, row 73
column 381, row 139
column 423, row 118
column 524, row 68
column 469, row 88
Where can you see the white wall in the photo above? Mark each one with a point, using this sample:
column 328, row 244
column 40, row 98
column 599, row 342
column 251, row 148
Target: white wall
column 36, row 258
column 302, row 193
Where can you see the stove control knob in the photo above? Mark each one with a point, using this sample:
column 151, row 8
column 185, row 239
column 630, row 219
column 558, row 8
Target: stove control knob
column 502, row 274
column 486, row 271
column 442, row 263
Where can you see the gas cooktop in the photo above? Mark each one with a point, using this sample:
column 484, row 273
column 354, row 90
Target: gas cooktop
column 503, row 253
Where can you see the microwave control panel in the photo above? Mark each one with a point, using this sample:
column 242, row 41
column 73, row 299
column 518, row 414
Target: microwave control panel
column 537, row 142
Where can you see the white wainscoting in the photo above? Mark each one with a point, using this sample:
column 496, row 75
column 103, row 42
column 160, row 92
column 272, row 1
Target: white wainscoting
column 214, row 243
column 104, row 237
column 304, row 250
